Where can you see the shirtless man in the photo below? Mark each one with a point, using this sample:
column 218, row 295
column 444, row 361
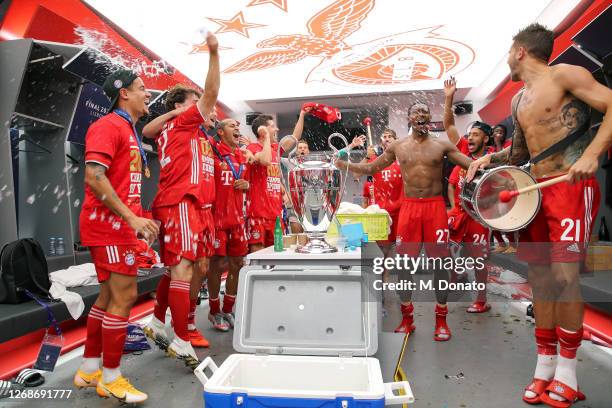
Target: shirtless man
column 422, row 217
column 553, row 105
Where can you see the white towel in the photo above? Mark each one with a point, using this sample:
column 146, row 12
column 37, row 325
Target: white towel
column 77, row 275
column 74, row 301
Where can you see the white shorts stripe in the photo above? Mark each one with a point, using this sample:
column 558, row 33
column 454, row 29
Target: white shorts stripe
column 116, row 254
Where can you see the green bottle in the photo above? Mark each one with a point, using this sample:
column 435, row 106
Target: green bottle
column 278, row 236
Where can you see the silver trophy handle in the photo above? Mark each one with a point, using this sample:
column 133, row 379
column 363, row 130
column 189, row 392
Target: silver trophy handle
column 291, row 158
column 346, row 144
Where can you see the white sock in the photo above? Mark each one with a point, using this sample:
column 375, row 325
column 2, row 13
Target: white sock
column 565, row 373
column 545, row 370
column 110, row 374
column 90, row 365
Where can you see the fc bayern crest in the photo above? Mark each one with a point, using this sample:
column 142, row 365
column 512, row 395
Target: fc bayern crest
column 130, row 259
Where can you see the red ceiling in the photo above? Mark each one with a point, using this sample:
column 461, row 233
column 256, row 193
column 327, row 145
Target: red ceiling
column 499, row 109
column 56, row 20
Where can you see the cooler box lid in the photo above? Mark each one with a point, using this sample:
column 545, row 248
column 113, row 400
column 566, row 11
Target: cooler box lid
column 326, row 311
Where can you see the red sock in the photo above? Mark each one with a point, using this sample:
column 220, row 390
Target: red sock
column 161, row 297
column 407, row 310
column 569, row 342
column 93, row 342
column 178, row 300
column 228, row 303
column 192, row 309
column 546, row 340
column 114, row 330
column 215, row 306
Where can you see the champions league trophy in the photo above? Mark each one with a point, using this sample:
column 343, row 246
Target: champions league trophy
column 315, row 187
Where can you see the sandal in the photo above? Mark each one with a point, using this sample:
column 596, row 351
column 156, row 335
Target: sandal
column 479, row 307
column 564, row 391
column 538, row 387
column 30, row 378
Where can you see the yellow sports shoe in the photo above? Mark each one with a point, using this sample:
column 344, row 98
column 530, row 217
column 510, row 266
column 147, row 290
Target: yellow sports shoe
column 122, row 390
column 84, row 380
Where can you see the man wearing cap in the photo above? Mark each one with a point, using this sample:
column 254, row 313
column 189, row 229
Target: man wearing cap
column 463, row 228
column 110, row 225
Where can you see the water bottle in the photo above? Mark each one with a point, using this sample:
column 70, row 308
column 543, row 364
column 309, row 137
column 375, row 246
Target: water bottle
column 52, row 247
column 59, row 248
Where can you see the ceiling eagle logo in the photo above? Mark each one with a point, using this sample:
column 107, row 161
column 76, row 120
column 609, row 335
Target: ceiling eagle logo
column 416, row 55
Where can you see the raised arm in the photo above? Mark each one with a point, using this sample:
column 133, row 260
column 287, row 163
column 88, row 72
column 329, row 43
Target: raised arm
column 95, row 178
column 456, row 157
column 153, row 129
column 448, row 120
column 264, row 157
column 207, row 101
column 383, row 161
column 580, row 83
column 288, row 143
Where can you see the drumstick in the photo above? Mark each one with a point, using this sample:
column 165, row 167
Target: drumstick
column 367, row 122
column 507, row 195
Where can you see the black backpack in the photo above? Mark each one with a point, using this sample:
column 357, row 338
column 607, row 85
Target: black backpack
column 23, row 266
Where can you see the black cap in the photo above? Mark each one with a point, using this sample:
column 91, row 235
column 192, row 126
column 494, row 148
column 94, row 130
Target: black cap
column 122, row 78
column 484, row 127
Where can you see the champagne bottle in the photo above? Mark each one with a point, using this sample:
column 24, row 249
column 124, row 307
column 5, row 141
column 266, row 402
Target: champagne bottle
column 278, row 236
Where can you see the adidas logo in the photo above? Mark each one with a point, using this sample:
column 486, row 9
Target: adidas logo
column 573, row 248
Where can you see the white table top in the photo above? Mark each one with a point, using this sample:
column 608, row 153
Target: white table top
column 289, row 254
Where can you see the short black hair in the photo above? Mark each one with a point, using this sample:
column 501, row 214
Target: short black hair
column 417, row 103
column 302, row 141
column 261, row 120
column 537, row 40
column 503, row 127
column 178, row 94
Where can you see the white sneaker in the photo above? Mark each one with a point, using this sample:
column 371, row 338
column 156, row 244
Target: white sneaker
column 156, row 331
column 183, row 350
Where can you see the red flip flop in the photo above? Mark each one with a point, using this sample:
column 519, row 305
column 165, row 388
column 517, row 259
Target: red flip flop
column 479, row 307
column 538, row 387
column 564, row 391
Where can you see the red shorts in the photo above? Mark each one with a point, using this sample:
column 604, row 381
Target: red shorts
column 393, row 234
column 261, row 231
column 206, row 245
column 114, row 259
column 561, row 230
column 179, row 231
column 231, row 241
column 423, row 221
column 467, row 230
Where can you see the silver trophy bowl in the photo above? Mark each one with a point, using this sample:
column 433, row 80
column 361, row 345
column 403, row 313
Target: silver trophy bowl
column 315, row 187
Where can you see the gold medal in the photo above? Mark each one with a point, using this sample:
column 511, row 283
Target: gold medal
column 147, row 172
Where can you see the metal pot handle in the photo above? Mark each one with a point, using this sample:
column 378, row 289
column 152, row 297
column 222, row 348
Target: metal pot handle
column 346, row 144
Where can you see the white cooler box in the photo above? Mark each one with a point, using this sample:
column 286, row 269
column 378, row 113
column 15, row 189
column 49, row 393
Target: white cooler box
column 309, row 334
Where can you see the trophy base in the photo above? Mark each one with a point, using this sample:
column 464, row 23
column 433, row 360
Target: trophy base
column 316, row 245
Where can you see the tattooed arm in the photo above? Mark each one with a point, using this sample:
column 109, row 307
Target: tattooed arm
column 580, row 83
column 95, row 178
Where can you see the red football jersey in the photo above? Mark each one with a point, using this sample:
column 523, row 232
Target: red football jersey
column 388, row 187
column 457, row 179
column 207, row 179
column 110, row 141
column 264, row 199
column 179, row 158
column 368, row 189
column 229, row 202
